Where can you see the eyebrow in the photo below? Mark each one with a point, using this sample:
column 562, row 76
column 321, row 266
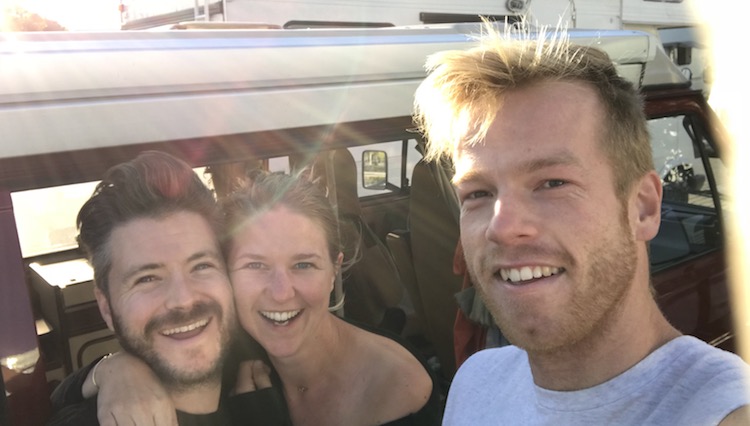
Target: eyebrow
column 302, row 256
column 561, row 158
column 296, row 256
column 210, row 254
column 130, row 273
column 260, row 257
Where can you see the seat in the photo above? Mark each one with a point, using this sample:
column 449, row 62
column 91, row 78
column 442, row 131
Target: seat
column 399, row 244
column 434, row 235
column 372, row 284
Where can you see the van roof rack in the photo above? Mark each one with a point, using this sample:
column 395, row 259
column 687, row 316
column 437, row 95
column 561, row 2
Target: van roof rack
column 224, row 25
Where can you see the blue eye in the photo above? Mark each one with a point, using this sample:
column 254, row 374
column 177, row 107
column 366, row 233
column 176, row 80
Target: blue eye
column 477, row 194
column 554, row 183
column 253, row 265
column 146, row 279
column 303, row 265
column 203, row 266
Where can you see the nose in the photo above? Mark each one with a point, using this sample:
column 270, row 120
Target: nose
column 181, row 293
column 512, row 222
column 280, row 286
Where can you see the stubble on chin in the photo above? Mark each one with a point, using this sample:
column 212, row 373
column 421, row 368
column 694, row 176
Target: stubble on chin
column 595, row 301
column 174, row 377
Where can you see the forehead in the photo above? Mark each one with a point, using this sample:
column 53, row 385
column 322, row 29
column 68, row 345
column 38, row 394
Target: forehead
column 161, row 240
column 556, row 118
column 279, row 227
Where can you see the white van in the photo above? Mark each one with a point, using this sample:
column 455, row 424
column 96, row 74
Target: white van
column 74, row 104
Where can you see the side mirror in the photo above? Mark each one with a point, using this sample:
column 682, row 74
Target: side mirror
column 374, row 169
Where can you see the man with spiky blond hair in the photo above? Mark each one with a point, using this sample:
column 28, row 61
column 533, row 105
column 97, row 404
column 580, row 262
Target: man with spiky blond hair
column 559, row 199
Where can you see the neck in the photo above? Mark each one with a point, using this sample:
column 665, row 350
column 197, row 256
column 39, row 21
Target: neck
column 315, row 366
column 197, row 399
column 628, row 336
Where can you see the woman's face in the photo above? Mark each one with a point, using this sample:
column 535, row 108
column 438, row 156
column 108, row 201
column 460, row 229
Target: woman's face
column 282, row 275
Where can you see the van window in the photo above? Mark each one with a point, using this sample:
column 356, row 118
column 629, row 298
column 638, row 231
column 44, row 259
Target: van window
column 279, row 164
column 397, row 163
column 46, row 217
column 687, row 164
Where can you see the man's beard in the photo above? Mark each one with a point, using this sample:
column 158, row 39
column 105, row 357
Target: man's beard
column 169, row 374
column 609, row 271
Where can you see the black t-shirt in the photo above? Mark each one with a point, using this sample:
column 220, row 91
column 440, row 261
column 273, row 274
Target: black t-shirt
column 84, row 414
column 264, row 407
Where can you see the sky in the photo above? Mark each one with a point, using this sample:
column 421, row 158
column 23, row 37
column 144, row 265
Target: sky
column 75, row 15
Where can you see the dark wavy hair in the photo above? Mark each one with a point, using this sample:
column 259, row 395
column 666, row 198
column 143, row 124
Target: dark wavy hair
column 152, row 185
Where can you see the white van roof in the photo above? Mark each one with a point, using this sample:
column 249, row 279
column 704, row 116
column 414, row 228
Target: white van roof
column 68, row 91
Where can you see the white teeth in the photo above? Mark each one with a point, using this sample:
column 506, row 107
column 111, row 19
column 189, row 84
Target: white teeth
column 280, row 317
column 526, row 273
column 537, row 272
column 185, row 328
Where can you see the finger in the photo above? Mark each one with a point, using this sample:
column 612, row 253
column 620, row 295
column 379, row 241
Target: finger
column 245, row 382
column 261, row 375
column 162, row 420
column 106, row 419
column 165, row 418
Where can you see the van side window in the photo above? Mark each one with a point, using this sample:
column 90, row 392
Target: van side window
column 279, row 164
column 691, row 174
column 46, row 217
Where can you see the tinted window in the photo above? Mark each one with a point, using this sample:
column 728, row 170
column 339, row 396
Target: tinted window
column 687, row 165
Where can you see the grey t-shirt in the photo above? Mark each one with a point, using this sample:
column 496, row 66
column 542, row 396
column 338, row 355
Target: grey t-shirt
column 684, row 382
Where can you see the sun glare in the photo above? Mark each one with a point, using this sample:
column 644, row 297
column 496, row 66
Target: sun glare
column 728, row 97
column 73, row 15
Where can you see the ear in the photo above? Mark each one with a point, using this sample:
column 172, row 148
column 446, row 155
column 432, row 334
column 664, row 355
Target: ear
column 646, row 207
column 339, row 260
column 337, row 268
column 104, row 309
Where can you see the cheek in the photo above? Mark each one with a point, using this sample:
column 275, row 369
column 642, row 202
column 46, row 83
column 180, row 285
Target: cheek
column 245, row 293
column 316, row 293
column 473, row 230
column 244, row 300
column 224, row 296
column 139, row 311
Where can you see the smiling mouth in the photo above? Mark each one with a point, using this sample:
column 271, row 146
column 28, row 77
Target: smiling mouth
column 280, row 318
column 193, row 329
column 527, row 273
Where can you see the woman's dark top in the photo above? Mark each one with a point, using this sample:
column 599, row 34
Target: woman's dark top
column 430, row 414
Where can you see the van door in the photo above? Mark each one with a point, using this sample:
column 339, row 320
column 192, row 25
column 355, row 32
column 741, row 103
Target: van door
column 687, row 256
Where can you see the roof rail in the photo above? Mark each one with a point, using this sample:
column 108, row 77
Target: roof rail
column 224, row 25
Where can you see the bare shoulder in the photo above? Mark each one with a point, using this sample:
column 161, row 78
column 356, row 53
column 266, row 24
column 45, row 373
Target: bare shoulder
column 740, row 416
column 398, row 382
